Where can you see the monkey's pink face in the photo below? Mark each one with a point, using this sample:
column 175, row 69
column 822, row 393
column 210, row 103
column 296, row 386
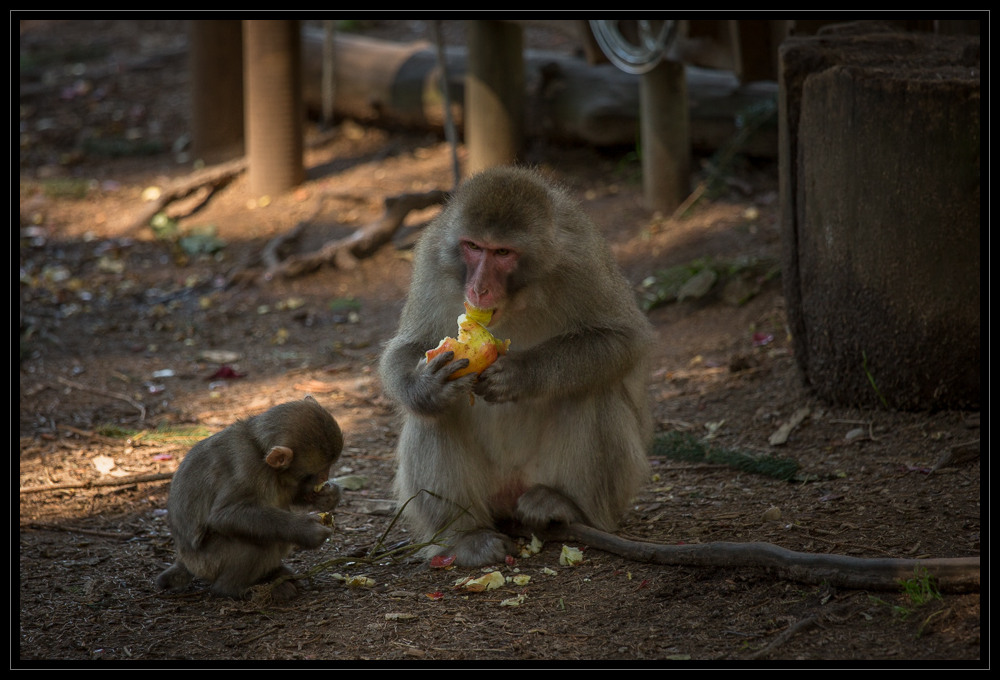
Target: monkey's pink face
column 487, row 268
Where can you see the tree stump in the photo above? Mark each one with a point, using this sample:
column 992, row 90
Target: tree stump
column 879, row 146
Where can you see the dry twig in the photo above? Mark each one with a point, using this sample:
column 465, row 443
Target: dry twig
column 791, row 631
column 116, row 481
column 106, row 393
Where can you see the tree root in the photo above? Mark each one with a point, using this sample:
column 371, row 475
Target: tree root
column 215, row 178
column 362, row 243
column 951, row 574
column 344, row 252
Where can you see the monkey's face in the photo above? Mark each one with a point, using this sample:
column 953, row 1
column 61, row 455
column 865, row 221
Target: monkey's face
column 488, row 269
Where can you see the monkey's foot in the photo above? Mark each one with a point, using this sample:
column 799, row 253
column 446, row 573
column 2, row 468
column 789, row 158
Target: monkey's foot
column 479, row 547
column 541, row 505
column 174, row 578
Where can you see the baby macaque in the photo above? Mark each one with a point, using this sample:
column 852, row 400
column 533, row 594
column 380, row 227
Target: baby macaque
column 229, row 506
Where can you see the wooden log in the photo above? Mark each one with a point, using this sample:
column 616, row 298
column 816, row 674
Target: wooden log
column 880, row 190
column 567, row 101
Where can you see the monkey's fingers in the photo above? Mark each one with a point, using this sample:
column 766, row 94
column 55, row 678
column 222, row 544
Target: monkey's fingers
column 445, row 365
column 495, row 385
column 439, row 361
column 456, row 367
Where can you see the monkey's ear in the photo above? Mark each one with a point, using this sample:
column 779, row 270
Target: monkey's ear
column 309, row 397
column 279, row 457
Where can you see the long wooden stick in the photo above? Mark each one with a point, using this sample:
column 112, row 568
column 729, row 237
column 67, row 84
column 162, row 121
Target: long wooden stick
column 114, row 481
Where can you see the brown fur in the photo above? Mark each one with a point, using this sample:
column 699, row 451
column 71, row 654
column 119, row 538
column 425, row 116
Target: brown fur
column 563, row 418
column 229, row 506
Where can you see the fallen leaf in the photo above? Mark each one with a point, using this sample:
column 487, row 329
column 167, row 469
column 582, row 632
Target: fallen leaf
column 316, row 387
column 780, row 436
column 104, row 464
column 698, row 285
column 290, row 303
column 351, row 482
column 226, row 373
column 442, row 561
column 219, row 356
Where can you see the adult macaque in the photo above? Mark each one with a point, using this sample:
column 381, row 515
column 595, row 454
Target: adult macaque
column 559, row 426
column 229, row 506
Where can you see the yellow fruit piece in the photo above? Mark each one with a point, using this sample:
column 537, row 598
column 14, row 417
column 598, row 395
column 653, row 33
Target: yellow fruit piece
column 493, row 579
column 473, row 342
column 570, row 556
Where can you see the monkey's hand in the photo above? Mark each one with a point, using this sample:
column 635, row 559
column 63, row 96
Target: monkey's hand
column 432, row 391
column 499, row 382
column 311, row 532
column 473, row 342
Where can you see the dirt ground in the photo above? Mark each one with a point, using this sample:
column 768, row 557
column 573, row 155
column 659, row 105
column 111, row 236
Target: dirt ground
column 133, row 346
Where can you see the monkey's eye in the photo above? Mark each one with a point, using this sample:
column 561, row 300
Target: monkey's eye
column 503, row 252
column 470, row 245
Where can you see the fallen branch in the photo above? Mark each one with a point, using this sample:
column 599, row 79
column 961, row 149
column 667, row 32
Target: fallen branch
column 42, row 526
column 792, row 631
column 117, row 481
column 106, row 393
column 952, row 574
column 215, row 178
column 360, row 244
column 958, row 454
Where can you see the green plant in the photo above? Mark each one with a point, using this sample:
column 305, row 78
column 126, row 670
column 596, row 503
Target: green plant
column 919, row 590
column 686, row 447
column 922, row 588
column 871, row 379
column 897, row 610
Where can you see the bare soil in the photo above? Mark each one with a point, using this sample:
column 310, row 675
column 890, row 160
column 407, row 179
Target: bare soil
column 120, row 341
